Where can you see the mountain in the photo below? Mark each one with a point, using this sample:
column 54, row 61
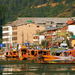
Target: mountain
column 2, row 18
column 38, row 8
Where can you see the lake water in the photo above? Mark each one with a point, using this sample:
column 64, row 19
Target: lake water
column 32, row 67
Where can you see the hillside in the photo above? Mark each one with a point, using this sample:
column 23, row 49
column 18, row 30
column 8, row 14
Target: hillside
column 38, row 8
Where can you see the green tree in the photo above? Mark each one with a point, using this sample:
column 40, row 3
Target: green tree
column 2, row 18
column 73, row 14
column 44, row 43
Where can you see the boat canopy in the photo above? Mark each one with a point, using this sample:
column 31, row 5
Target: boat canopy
column 69, row 50
column 61, row 51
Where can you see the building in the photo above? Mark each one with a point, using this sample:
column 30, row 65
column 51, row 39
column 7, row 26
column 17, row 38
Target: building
column 73, row 41
column 22, row 30
column 20, row 33
column 71, row 26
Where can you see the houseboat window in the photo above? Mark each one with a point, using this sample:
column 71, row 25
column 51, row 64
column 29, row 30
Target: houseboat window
column 32, row 52
column 7, row 53
column 44, row 53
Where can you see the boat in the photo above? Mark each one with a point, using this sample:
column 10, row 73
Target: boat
column 33, row 55
column 11, row 54
column 23, row 54
column 67, row 57
column 56, row 63
column 2, row 56
column 62, row 57
column 58, row 58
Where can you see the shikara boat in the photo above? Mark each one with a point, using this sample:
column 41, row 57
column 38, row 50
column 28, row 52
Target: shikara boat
column 11, row 54
column 33, row 54
column 23, row 54
column 67, row 57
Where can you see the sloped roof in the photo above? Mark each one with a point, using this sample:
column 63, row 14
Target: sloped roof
column 36, row 20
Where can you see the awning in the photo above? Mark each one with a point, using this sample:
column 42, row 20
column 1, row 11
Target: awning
column 25, row 43
column 2, row 45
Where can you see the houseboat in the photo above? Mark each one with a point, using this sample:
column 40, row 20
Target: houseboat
column 23, row 54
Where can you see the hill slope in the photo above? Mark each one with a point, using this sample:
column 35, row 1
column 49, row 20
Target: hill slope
column 38, row 8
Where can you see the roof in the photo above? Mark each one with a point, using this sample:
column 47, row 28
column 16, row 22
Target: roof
column 73, row 37
column 37, row 20
column 51, row 28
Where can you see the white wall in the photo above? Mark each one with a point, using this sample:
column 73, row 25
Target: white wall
column 41, row 37
column 71, row 28
column 9, row 36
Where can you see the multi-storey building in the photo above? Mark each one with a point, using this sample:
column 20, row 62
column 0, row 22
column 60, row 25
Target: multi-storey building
column 22, row 30
column 20, row 34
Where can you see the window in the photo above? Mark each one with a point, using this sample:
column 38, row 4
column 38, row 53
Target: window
column 14, row 28
column 14, row 38
column 5, row 29
column 5, row 39
column 14, row 33
column 5, row 34
column 36, row 37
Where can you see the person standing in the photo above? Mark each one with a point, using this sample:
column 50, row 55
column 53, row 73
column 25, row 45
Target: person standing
column 70, row 55
column 39, row 56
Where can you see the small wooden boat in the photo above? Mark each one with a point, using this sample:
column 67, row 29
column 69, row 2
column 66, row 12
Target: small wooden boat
column 11, row 54
column 23, row 54
column 57, row 63
column 2, row 56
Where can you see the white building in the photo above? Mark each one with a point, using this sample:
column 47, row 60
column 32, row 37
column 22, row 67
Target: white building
column 7, row 34
column 71, row 26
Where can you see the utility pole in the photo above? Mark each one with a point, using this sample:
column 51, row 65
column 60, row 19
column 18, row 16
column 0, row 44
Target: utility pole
column 45, row 39
column 37, row 31
column 27, row 37
column 22, row 38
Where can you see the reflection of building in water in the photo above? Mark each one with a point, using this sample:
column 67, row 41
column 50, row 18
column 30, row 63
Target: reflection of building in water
column 28, row 68
column 9, row 68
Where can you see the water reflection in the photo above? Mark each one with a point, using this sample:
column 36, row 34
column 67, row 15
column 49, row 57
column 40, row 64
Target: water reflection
column 17, row 67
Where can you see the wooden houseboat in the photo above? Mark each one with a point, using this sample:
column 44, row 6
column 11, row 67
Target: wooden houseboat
column 23, row 54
